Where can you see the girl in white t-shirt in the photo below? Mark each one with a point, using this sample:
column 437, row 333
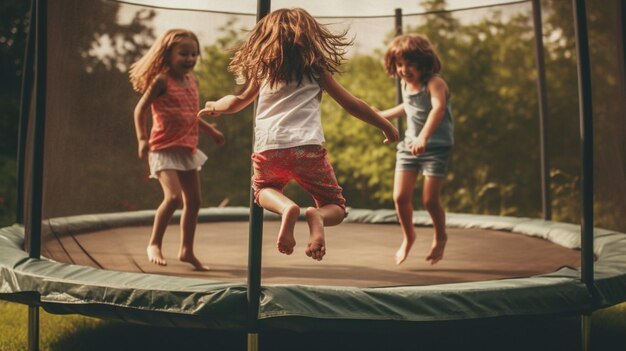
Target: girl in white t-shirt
column 287, row 60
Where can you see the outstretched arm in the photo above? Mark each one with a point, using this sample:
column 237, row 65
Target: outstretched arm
column 357, row 107
column 394, row 112
column 156, row 89
column 212, row 131
column 231, row 103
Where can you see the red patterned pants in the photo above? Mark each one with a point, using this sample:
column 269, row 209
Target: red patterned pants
column 307, row 165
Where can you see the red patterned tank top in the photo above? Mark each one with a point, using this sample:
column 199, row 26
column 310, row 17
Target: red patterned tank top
column 174, row 116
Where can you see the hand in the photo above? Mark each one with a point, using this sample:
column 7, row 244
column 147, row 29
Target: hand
column 391, row 134
column 209, row 110
column 418, row 146
column 143, row 149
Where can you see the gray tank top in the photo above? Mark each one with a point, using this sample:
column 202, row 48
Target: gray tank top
column 417, row 106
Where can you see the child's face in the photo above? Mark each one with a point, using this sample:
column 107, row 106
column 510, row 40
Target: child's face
column 407, row 71
column 184, row 56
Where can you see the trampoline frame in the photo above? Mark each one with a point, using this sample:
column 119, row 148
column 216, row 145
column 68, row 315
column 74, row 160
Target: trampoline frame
column 201, row 303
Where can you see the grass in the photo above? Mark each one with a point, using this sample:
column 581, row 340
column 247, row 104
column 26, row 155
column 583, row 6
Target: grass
column 73, row 332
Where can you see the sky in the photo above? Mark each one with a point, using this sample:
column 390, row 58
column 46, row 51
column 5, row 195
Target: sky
column 369, row 33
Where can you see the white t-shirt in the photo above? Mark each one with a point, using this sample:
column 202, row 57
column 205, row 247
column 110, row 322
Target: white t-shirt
column 288, row 115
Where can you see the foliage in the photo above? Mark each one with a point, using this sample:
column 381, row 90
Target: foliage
column 608, row 112
column 89, row 125
column 226, row 177
column 13, row 27
column 363, row 164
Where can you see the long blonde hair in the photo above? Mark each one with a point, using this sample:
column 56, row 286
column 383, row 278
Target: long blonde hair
column 286, row 45
column 415, row 49
column 155, row 61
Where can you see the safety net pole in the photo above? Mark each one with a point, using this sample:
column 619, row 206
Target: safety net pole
column 28, row 81
column 33, row 232
column 253, row 294
column 398, row 31
column 586, row 136
column 543, row 108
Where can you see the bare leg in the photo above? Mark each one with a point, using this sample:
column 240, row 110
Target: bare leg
column 275, row 201
column 404, row 182
column 171, row 201
column 318, row 218
column 430, row 198
column 190, row 184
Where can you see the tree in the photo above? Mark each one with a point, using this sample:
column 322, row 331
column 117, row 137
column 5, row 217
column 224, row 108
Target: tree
column 226, row 178
column 87, row 50
column 609, row 109
column 13, row 28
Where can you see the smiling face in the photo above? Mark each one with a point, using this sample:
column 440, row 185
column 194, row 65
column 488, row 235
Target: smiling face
column 407, row 71
column 183, row 56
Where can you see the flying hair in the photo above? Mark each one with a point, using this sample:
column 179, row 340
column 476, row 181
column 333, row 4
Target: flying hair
column 155, row 61
column 415, row 49
column 287, row 45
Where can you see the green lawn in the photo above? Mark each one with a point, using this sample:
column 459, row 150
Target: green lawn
column 72, row 332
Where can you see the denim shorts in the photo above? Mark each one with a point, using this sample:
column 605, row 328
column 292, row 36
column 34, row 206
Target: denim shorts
column 433, row 162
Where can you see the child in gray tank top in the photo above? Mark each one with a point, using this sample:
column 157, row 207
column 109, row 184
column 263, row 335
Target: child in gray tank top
column 428, row 138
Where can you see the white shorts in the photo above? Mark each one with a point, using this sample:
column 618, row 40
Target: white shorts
column 176, row 158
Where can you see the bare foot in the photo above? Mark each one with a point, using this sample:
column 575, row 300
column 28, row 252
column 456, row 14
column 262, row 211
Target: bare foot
column 316, row 249
column 286, row 241
column 404, row 249
column 194, row 261
column 155, row 256
column 436, row 252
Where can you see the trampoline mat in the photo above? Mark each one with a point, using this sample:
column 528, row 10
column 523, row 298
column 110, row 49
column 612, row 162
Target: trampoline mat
column 358, row 255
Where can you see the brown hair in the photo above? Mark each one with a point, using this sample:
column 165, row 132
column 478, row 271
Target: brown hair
column 288, row 44
column 154, row 62
column 415, row 49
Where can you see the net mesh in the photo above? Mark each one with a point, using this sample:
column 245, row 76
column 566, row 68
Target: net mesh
column 488, row 55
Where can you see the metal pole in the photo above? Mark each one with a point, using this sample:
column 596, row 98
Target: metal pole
column 253, row 341
column 33, row 328
column 28, row 79
column 33, row 232
column 253, row 294
column 542, row 101
column 398, row 28
column 586, row 135
column 585, row 332
column 621, row 34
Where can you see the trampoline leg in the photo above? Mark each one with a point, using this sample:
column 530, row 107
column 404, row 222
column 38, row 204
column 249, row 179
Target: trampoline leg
column 253, row 342
column 585, row 332
column 33, row 328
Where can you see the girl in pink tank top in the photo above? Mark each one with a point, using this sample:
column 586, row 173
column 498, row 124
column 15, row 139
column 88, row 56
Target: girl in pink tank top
column 164, row 77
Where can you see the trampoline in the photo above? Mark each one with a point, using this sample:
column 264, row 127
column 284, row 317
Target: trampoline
column 94, row 264
column 356, row 286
